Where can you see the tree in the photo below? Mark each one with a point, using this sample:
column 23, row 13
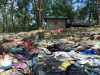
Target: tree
column 3, row 9
column 90, row 13
column 15, row 15
column 58, row 8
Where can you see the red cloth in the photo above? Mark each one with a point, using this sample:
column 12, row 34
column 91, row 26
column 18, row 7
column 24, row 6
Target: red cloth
column 98, row 37
column 29, row 46
column 60, row 30
column 34, row 51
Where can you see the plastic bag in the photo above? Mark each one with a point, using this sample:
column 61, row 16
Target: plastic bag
column 64, row 65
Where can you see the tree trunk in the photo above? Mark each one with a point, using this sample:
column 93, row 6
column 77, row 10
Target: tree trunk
column 13, row 27
column 39, row 9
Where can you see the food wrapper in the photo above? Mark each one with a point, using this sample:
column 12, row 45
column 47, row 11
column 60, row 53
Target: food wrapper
column 64, row 65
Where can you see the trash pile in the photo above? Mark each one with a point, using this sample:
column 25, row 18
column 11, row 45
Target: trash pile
column 66, row 56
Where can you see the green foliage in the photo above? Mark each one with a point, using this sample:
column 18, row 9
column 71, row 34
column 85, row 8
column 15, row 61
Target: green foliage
column 15, row 19
column 18, row 19
column 3, row 2
column 83, row 13
column 59, row 8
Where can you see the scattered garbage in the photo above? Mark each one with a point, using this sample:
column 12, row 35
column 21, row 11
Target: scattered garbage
column 65, row 56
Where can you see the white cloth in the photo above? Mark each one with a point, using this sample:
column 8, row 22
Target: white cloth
column 97, row 44
column 62, row 56
column 7, row 61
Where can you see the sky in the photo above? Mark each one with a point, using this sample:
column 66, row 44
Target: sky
column 78, row 4
column 30, row 8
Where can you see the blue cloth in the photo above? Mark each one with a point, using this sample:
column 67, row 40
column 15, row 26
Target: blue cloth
column 21, row 51
column 15, row 50
column 88, row 51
